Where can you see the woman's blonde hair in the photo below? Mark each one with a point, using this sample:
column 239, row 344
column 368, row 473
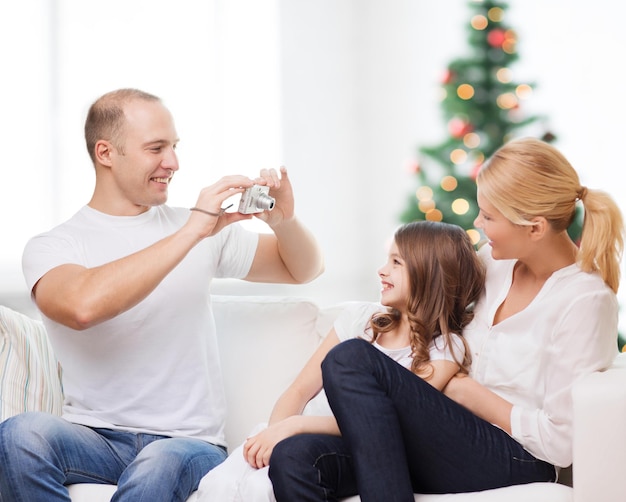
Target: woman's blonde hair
column 527, row 178
column 446, row 279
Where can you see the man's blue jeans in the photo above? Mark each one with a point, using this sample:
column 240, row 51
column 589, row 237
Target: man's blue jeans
column 41, row 453
column 399, row 436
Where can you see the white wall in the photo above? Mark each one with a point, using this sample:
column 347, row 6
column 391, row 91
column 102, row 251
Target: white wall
column 348, row 97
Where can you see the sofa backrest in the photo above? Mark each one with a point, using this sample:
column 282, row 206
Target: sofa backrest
column 264, row 342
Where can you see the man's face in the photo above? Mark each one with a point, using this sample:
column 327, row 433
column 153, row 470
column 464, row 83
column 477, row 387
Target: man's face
column 145, row 160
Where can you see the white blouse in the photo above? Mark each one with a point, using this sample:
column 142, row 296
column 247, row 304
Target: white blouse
column 532, row 358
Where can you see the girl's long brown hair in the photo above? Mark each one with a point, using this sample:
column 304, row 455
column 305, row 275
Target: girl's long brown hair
column 446, row 279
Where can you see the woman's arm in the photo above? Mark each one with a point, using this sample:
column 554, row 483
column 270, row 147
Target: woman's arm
column 479, row 400
column 443, row 371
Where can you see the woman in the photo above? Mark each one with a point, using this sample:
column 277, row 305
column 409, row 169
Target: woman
column 548, row 315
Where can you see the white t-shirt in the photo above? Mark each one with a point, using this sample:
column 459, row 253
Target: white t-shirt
column 532, row 358
column 353, row 322
column 154, row 368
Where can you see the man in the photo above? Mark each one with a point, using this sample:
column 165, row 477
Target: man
column 123, row 287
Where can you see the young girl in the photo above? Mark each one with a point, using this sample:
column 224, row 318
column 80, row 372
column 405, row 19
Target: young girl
column 548, row 315
column 429, row 284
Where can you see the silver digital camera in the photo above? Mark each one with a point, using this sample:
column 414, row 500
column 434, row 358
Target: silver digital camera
column 256, row 200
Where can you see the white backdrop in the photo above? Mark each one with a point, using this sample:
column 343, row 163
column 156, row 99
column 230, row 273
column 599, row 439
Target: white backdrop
column 342, row 92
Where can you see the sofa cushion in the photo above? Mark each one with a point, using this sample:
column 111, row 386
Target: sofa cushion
column 535, row 492
column 254, row 334
column 29, row 371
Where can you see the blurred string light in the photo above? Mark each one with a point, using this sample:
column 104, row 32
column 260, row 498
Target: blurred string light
column 471, row 140
column 460, row 206
column 504, row 75
column 449, row 183
column 465, row 91
column 474, row 235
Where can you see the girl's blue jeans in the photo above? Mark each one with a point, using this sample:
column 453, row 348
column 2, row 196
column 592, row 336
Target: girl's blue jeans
column 41, row 453
column 399, row 436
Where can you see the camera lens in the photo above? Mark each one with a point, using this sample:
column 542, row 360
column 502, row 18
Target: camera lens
column 265, row 202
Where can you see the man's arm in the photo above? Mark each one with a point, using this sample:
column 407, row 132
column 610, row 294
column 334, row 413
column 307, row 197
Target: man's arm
column 291, row 254
column 81, row 297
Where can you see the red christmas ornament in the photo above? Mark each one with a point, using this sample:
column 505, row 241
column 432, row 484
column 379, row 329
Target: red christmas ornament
column 448, row 77
column 459, row 127
column 496, row 37
column 476, row 170
column 412, row 166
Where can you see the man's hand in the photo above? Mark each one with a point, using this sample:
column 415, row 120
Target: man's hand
column 281, row 190
column 212, row 199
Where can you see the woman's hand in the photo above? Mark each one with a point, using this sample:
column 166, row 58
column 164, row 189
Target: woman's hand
column 454, row 388
column 480, row 400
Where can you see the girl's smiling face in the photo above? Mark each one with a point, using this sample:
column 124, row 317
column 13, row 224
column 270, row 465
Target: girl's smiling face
column 395, row 280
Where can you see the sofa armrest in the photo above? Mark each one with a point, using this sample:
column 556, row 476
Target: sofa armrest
column 599, row 439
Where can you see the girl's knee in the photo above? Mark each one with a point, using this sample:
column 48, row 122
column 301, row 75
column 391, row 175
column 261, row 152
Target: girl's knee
column 280, row 452
column 288, row 448
column 286, row 454
column 346, row 353
column 299, row 449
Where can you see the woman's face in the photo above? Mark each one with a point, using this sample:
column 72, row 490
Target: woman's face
column 394, row 277
column 507, row 240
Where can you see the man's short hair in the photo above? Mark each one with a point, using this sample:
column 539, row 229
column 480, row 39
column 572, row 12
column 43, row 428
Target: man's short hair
column 105, row 118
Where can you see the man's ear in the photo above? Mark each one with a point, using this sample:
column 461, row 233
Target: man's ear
column 103, row 150
column 539, row 227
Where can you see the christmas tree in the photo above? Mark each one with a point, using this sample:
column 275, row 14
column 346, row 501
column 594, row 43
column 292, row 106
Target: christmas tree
column 481, row 106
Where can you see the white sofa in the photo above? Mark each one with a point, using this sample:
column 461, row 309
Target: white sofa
column 264, row 341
